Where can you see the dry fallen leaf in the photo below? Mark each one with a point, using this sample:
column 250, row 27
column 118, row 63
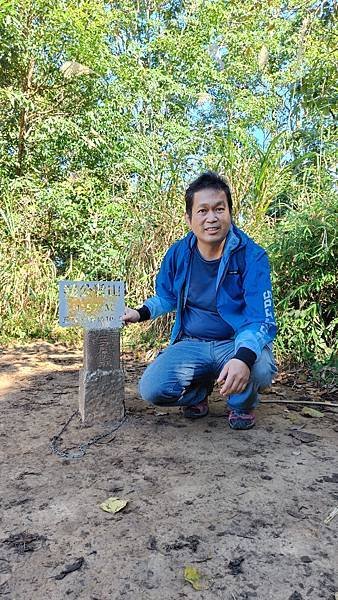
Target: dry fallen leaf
column 113, row 505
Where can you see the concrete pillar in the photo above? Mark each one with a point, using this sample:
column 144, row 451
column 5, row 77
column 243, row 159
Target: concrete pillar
column 101, row 395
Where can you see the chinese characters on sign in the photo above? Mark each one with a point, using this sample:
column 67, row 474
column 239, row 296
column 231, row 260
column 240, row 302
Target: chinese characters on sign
column 91, row 304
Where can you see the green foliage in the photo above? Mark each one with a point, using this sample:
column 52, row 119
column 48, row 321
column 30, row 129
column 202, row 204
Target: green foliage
column 29, row 293
column 303, row 252
column 109, row 109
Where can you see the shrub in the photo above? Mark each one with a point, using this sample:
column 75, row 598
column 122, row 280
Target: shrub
column 302, row 251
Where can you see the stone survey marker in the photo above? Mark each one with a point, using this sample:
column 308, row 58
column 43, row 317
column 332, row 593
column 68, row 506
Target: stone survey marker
column 97, row 307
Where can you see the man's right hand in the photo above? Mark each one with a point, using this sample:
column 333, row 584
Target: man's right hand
column 130, row 316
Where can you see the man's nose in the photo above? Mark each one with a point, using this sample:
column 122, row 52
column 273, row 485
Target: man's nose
column 211, row 217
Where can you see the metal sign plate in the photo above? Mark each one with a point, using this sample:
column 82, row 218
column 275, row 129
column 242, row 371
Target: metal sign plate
column 91, row 304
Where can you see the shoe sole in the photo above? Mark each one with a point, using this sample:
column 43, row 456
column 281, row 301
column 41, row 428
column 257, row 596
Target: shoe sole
column 245, row 428
column 194, row 415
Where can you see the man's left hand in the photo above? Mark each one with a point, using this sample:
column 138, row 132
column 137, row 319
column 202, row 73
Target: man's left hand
column 235, row 375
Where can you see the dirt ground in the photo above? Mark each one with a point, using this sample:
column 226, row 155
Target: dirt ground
column 246, row 509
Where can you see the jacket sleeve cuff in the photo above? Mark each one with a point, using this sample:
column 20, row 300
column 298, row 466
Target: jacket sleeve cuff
column 247, row 356
column 144, row 313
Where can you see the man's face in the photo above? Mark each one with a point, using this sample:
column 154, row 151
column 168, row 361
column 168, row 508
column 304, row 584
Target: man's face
column 210, row 219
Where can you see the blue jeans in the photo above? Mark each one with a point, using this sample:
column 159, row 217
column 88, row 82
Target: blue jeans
column 183, row 374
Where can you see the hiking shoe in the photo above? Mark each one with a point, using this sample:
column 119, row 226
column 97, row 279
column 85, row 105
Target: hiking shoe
column 197, row 411
column 241, row 419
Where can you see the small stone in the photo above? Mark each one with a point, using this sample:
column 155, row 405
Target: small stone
column 152, row 543
column 331, row 478
column 306, row 559
column 304, row 436
column 235, row 565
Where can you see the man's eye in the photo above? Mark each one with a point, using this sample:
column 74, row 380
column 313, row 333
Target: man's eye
column 220, row 209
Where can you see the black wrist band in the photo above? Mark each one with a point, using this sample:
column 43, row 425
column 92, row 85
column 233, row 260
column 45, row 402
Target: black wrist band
column 247, row 356
column 144, row 313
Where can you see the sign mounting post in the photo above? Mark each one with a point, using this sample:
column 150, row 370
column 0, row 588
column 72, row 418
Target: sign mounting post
column 97, row 307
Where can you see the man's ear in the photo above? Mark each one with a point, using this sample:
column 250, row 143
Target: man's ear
column 187, row 219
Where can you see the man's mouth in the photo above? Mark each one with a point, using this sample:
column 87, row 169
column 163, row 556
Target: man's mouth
column 211, row 228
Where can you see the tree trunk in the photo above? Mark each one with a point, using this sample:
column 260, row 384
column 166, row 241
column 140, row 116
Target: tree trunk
column 23, row 122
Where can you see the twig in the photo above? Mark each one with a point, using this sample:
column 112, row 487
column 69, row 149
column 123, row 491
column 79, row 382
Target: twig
column 331, row 516
column 201, row 560
column 299, row 402
column 241, row 535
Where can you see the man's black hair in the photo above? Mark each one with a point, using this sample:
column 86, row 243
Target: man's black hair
column 206, row 180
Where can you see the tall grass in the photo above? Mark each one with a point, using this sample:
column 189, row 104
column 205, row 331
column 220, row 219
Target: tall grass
column 85, row 230
column 28, row 301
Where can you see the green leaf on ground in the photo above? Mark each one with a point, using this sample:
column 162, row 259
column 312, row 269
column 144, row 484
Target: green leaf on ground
column 292, row 417
column 311, row 412
column 193, row 576
column 113, row 505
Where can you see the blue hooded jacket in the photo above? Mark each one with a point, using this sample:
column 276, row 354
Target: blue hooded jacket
column 243, row 289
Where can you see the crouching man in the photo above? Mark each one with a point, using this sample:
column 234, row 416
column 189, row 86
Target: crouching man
column 217, row 279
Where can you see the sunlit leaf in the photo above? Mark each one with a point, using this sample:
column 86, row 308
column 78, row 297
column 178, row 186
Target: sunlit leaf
column 113, row 505
column 72, row 68
column 263, row 57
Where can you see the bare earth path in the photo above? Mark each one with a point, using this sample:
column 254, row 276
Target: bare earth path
column 245, row 508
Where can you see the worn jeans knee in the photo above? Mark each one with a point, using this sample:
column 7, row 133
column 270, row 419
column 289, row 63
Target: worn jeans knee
column 149, row 389
column 155, row 388
column 179, row 376
column 263, row 370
